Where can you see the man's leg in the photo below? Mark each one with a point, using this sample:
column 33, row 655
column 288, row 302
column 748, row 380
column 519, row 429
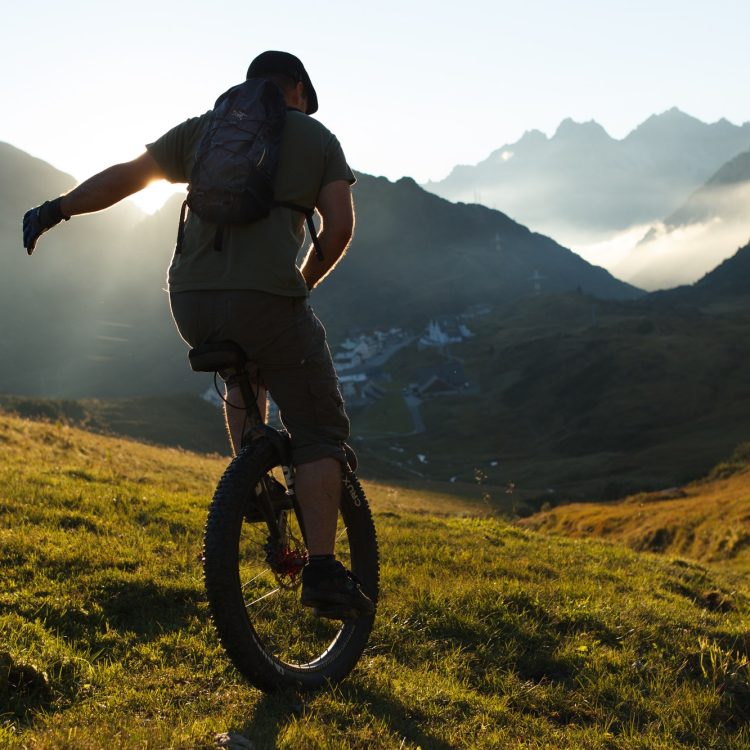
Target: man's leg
column 318, row 487
column 317, row 484
column 327, row 586
column 235, row 415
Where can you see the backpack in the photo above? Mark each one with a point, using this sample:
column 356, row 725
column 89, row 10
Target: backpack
column 236, row 160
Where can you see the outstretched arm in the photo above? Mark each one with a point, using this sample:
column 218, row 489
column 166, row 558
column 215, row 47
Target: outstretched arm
column 337, row 213
column 98, row 192
column 111, row 186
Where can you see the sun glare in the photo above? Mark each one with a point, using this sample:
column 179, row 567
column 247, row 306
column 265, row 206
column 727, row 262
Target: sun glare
column 152, row 198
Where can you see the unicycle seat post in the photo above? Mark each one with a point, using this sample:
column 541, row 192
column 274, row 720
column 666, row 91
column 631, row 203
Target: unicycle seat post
column 229, row 359
column 243, row 377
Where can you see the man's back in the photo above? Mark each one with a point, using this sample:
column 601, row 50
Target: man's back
column 261, row 255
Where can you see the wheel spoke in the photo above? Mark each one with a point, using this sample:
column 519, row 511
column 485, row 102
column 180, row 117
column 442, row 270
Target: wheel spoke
column 265, row 596
column 255, row 578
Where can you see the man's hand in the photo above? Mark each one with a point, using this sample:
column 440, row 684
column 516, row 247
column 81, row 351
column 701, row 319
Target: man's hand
column 95, row 194
column 36, row 221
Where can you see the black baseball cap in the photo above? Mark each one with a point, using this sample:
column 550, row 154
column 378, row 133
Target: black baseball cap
column 271, row 62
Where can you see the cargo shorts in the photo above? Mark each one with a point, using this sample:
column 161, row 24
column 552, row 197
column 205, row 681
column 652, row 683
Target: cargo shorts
column 287, row 342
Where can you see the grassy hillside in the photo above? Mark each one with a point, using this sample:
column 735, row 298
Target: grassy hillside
column 708, row 520
column 183, row 420
column 488, row 635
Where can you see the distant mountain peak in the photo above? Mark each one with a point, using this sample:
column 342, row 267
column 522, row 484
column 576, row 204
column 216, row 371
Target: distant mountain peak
column 408, row 182
column 12, row 154
column 674, row 112
column 581, row 184
column 667, row 123
column 533, row 136
column 671, row 115
column 570, row 130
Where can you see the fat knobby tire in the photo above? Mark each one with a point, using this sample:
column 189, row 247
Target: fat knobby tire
column 229, row 612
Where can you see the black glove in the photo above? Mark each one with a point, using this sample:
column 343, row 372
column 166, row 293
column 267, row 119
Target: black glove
column 36, row 221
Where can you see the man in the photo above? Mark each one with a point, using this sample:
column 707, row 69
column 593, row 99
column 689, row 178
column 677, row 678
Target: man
column 248, row 289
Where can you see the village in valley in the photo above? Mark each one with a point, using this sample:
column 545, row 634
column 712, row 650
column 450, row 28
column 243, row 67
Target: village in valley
column 361, row 363
column 360, row 360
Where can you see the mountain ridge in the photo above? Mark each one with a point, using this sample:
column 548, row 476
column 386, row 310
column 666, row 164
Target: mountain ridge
column 580, row 183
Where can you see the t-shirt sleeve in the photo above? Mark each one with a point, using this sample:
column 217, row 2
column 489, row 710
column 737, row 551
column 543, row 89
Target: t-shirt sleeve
column 174, row 150
column 336, row 167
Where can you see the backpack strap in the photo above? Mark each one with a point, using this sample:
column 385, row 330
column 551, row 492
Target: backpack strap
column 308, row 212
column 181, row 228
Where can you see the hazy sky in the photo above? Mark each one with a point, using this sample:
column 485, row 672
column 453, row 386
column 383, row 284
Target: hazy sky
column 410, row 88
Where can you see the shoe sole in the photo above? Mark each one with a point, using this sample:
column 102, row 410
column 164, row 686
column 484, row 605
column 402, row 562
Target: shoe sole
column 337, row 613
column 338, row 610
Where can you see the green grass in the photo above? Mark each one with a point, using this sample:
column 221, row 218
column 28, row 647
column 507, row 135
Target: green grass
column 707, row 520
column 387, row 416
column 488, row 636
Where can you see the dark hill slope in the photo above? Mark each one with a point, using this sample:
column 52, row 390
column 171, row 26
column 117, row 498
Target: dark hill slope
column 574, row 397
column 26, row 179
column 415, row 256
column 732, row 277
column 56, row 306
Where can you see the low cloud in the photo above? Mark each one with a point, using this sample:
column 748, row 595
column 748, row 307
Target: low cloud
column 682, row 255
column 611, row 251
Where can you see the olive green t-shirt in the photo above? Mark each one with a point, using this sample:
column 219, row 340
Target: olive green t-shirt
column 261, row 255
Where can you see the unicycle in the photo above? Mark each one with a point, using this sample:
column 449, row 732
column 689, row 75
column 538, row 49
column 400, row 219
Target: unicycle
column 254, row 551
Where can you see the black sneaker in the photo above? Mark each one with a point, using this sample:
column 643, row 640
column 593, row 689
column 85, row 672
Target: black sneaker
column 333, row 592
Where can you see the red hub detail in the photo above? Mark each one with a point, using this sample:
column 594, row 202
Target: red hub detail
column 288, row 562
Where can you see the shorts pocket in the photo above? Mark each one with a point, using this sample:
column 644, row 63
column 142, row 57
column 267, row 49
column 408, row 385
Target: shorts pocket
column 328, row 405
